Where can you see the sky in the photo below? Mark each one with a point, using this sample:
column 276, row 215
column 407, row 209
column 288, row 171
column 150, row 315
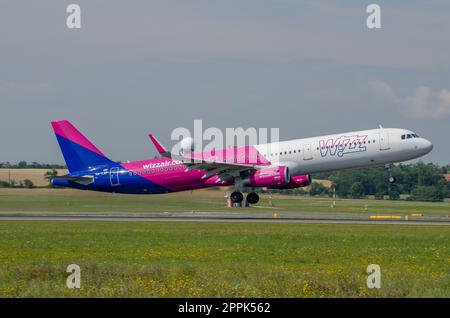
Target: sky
column 135, row 67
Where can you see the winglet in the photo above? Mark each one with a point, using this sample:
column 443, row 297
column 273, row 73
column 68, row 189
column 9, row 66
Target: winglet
column 159, row 147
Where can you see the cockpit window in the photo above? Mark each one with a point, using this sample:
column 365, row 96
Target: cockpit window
column 409, row 136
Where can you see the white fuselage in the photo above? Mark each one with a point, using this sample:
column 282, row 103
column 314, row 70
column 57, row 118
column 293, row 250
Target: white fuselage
column 346, row 150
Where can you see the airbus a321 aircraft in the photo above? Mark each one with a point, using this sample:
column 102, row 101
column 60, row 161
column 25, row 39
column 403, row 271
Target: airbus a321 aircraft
column 281, row 165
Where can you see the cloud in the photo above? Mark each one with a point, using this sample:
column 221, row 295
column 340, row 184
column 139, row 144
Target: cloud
column 428, row 104
column 424, row 103
column 382, row 89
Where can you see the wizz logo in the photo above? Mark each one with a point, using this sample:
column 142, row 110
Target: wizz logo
column 342, row 145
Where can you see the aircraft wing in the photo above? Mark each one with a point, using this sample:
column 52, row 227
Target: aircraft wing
column 212, row 167
column 85, row 180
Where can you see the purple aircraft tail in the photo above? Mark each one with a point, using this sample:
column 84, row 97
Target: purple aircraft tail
column 79, row 153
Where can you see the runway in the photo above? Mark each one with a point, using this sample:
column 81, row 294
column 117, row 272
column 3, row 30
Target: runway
column 224, row 217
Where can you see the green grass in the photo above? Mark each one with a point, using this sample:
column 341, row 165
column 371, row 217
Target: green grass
column 134, row 259
column 83, row 201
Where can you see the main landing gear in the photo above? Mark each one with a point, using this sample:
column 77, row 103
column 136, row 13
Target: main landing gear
column 252, row 198
column 392, row 179
column 238, row 197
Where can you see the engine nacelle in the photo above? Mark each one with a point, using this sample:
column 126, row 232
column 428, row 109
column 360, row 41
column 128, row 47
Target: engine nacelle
column 297, row 182
column 269, row 177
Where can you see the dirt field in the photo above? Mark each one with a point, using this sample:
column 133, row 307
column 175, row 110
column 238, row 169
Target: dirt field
column 35, row 175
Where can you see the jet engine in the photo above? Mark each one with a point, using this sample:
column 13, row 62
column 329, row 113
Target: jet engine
column 296, row 182
column 269, row 177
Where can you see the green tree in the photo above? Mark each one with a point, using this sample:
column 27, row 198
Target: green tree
column 357, row 190
column 317, row 188
column 27, row 183
column 4, row 184
column 22, row 164
column 426, row 193
column 394, row 194
column 49, row 175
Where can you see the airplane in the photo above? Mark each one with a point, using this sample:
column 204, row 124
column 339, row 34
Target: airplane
column 280, row 165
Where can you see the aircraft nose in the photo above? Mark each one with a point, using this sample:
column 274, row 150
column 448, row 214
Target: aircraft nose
column 426, row 145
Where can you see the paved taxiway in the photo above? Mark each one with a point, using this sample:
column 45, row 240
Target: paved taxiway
column 220, row 217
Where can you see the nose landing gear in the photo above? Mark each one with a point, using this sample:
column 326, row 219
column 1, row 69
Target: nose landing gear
column 392, row 179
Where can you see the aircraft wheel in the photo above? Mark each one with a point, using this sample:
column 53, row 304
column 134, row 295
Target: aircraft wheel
column 236, row 197
column 392, row 179
column 252, row 198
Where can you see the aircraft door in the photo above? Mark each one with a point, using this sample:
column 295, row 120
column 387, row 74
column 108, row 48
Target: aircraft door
column 384, row 140
column 114, row 176
column 307, row 155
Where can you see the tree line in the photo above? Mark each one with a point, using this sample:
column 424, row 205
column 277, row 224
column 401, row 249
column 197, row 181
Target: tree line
column 418, row 181
column 32, row 165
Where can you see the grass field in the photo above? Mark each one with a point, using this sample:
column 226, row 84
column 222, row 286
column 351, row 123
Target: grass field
column 166, row 259
column 201, row 200
column 132, row 259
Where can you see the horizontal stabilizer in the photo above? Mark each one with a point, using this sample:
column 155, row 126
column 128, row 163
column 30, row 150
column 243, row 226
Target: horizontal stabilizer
column 84, row 180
